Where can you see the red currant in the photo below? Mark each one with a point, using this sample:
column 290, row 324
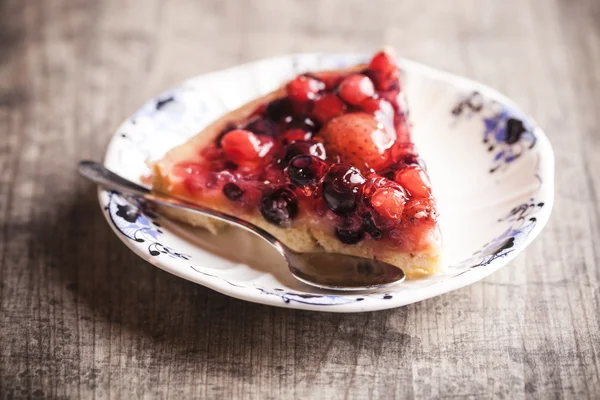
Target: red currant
column 356, row 88
column 383, row 63
column 243, row 145
column 304, row 88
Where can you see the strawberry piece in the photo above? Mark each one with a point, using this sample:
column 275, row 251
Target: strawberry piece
column 304, row 88
column 242, row 145
column 327, row 107
column 389, row 202
column 358, row 139
column 356, row 88
column 415, row 180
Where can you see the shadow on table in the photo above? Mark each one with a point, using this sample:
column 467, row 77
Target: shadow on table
column 126, row 302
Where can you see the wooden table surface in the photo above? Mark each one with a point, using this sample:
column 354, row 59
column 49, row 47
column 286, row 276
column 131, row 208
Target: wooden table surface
column 82, row 316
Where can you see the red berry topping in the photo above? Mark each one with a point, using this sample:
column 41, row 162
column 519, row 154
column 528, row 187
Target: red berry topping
column 304, row 88
column 279, row 207
column 358, row 139
column 337, row 144
column 415, row 180
column 341, row 188
column 292, row 135
column 356, row 88
column 304, row 147
column 375, row 182
column 383, row 71
column 383, row 63
column 389, row 202
column 331, row 79
column 306, row 170
column 242, row 145
column 327, row 107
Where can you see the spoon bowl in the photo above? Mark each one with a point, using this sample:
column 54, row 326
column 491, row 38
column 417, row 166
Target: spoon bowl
column 330, row 271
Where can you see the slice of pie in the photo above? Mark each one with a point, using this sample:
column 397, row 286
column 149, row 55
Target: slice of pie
column 324, row 163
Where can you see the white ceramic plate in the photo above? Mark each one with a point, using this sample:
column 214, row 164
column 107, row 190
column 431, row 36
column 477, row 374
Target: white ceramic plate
column 494, row 186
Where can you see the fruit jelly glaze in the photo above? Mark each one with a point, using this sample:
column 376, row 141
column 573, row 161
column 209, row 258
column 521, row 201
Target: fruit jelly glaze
column 338, row 147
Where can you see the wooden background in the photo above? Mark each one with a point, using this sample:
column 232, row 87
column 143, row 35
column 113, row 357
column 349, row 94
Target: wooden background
column 82, row 316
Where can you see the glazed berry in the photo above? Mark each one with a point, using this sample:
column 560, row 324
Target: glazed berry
column 243, row 145
column 348, row 236
column 383, row 71
column 383, row 63
column 415, row 180
column 389, row 202
column 306, row 170
column 341, row 188
column 327, row 107
column 278, row 109
column 232, row 191
column 304, row 88
column 356, row 88
column 370, row 227
column 301, row 147
column 279, row 207
column 373, row 183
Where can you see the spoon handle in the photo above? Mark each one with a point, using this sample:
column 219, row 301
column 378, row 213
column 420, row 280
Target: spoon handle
column 107, row 179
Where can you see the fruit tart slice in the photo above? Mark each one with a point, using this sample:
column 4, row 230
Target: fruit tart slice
column 324, row 163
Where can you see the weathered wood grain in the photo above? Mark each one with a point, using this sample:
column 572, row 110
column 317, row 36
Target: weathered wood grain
column 81, row 316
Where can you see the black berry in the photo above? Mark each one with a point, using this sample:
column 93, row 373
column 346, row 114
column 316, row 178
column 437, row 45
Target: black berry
column 279, row 207
column 232, row 191
column 261, row 126
column 305, row 170
column 370, row 228
column 340, row 189
column 303, row 147
column 279, row 109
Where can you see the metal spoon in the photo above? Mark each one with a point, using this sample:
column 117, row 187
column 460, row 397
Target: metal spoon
column 323, row 270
